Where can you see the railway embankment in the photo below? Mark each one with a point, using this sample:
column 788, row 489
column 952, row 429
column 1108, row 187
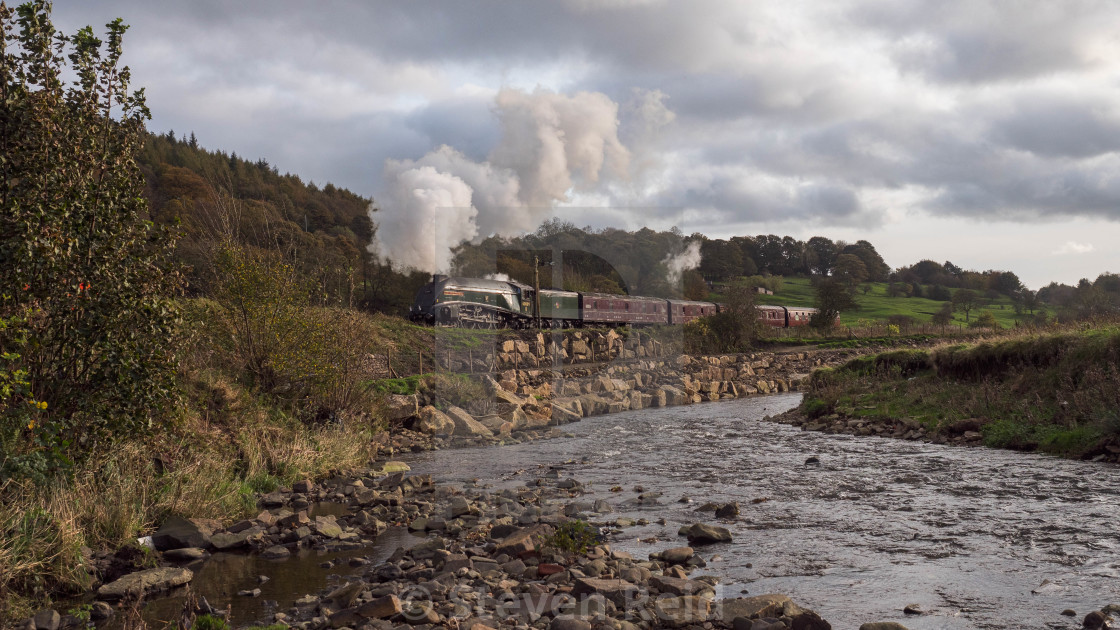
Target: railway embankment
column 516, row 403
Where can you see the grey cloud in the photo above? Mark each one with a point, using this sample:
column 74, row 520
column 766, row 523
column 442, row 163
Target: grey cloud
column 986, row 40
column 331, row 91
column 1063, row 126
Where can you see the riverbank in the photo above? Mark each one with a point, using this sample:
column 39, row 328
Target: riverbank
column 1054, row 393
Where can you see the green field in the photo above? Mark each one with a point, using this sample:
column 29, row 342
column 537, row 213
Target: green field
column 876, row 306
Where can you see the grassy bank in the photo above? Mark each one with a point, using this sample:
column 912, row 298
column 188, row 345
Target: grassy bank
column 1055, row 393
column 208, row 461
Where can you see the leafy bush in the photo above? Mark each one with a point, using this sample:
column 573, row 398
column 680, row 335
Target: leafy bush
column 89, row 276
column 574, row 536
column 815, row 407
column 263, row 325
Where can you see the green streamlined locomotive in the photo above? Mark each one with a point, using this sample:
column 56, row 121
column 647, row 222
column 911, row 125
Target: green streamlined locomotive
column 485, row 303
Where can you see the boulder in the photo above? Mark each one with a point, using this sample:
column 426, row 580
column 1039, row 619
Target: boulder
column 676, row 586
column 771, row 605
column 495, row 423
column 566, row 413
column 521, row 541
column 677, row 555
column 728, row 510
column 465, row 424
column 683, row 610
column 381, row 608
column 509, row 398
column 569, row 622
column 593, row 405
column 400, row 407
column 615, row 590
column 326, row 526
column 48, row 619
column 275, row 552
column 433, row 422
column 809, row 620
column 144, row 582
column 701, row 534
column 225, row 540
column 178, row 532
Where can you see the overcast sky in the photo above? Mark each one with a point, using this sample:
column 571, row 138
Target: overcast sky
column 986, row 133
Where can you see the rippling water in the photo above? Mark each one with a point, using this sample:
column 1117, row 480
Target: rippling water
column 979, row 538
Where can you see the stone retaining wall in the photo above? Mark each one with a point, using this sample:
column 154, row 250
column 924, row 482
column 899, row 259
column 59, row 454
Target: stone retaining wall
column 535, row 399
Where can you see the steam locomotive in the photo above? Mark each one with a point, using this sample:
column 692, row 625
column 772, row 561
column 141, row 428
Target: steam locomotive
column 483, row 303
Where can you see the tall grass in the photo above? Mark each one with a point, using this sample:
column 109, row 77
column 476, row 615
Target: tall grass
column 207, row 463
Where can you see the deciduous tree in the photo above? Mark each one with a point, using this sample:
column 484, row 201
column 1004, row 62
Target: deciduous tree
column 78, row 259
column 965, row 300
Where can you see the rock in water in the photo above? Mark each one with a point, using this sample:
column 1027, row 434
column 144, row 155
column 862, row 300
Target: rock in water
column 1093, row 620
column 701, row 534
column 728, row 510
column 144, row 582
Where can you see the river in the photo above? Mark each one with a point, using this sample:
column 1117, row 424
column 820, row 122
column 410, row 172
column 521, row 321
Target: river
column 979, row 538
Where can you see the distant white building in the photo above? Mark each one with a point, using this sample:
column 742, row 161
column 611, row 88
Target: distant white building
column 764, row 291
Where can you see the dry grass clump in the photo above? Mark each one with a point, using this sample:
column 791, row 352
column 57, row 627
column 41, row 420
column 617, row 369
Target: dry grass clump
column 207, row 463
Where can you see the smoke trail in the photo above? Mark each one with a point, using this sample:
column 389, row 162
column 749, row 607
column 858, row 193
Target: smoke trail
column 551, row 145
column 678, row 264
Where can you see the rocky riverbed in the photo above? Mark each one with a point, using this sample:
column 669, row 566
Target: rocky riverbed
column 515, row 558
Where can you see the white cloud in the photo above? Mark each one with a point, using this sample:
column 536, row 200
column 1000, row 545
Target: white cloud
column 1073, row 247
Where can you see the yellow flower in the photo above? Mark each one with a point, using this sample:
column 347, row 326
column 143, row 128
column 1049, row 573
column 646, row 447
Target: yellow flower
column 43, row 405
column 31, row 425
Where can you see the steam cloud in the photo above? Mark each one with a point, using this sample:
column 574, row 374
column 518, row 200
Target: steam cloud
column 678, row 264
column 551, row 145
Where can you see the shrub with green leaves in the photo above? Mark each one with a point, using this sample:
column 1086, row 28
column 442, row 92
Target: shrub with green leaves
column 574, row 536
column 80, row 264
column 265, row 323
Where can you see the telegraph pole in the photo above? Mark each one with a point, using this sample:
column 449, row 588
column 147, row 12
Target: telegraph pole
column 537, row 290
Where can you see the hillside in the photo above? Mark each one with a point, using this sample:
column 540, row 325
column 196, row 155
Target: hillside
column 212, row 196
column 877, row 305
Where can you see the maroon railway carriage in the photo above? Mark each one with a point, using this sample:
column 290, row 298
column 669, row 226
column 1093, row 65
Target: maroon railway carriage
column 601, row 308
column 684, row 311
column 799, row 316
column 772, row 315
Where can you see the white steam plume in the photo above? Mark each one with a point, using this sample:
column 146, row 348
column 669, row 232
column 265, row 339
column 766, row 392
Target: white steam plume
column 551, row 145
column 677, row 265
